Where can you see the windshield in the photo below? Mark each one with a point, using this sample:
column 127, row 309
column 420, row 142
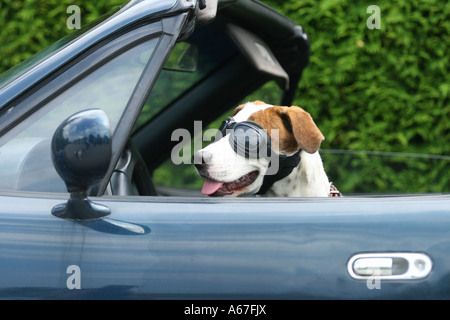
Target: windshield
column 24, row 150
column 376, row 172
column 22, row 67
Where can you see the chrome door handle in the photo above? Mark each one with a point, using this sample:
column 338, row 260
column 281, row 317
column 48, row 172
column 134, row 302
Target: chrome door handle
column 390, row 266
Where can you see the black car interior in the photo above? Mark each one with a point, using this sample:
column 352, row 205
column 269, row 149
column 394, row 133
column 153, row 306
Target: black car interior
column 244, row 47
column 237, row 74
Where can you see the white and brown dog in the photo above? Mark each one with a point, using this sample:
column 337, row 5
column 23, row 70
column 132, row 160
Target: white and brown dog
column 291, row 141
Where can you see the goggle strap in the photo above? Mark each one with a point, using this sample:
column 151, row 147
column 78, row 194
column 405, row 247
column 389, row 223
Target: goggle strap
column 286, row 166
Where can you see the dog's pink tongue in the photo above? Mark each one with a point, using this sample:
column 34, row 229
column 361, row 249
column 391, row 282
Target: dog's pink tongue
column 209, row 187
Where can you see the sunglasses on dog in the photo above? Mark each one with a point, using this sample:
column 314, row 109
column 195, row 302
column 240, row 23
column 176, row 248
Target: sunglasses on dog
column 250, row 140
column 247, row 138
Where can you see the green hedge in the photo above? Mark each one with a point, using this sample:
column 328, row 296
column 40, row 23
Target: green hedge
column 386, row 89
column 28, row 26
column 382, row 89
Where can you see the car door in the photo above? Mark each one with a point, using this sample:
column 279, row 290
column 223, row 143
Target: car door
column 150, row 247
column 111, row 67
column 291, row 248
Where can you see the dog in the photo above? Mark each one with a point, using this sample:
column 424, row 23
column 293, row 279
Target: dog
column 285, row 160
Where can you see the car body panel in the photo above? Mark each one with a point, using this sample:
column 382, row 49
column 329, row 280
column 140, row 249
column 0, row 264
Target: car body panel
column 241, row 249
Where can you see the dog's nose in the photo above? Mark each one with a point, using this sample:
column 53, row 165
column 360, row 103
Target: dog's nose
column 202, row 158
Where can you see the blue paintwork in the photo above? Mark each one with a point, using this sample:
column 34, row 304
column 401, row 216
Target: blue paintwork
column 220, row 249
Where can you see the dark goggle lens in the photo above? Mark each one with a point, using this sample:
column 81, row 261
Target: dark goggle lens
column 247, row 138
column 246, row 141
column 250, row 141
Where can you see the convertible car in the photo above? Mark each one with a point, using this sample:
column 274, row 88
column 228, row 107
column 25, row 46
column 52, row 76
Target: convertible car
column 86, row 212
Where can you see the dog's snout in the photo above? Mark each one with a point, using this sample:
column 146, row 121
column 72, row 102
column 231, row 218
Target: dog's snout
column 202, row 158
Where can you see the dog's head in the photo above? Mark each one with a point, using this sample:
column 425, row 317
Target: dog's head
column 228, row 172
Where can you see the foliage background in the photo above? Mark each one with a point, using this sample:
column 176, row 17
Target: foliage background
column 385, row 90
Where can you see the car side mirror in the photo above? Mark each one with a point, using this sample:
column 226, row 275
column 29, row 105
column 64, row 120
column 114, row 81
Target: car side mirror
column 81, row 153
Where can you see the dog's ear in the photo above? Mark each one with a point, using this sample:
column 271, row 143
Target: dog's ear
column 242, row 106
column 302, row 126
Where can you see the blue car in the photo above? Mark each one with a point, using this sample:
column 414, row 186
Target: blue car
column 84, row 213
